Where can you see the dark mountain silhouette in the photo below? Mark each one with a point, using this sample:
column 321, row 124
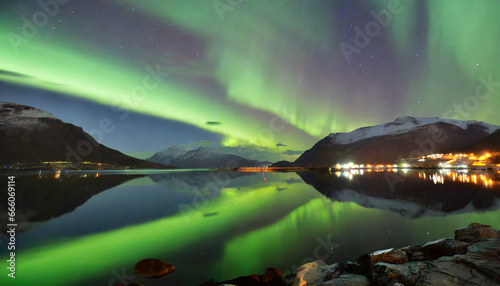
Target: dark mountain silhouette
column 490, row 143
column 30, row 135
column 406, row 137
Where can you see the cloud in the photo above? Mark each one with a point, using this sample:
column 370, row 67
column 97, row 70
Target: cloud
column 280, row 144
column 293, row 152
column 213, row 123
column 14, row 74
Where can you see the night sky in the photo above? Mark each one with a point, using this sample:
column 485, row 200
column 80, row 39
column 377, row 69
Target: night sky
column 268, row 73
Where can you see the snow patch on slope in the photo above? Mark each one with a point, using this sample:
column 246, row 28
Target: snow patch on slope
column 251, row 152
column 17, row 115
column 17, row 110
column 401, row 125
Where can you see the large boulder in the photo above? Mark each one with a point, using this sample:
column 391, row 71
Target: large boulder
column 485, row 250
column 388, row 274
column 414, row 253
column 476, row 232
column 444, row 247
column 392, row 255
column 316, row 272
column 435, row 249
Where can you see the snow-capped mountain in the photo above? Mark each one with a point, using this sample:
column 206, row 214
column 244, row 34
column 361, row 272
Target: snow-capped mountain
column 21, row 115
column 405, row 137
column 249, row 152
column 17, row 111
column 31, row 135
column 405, row 124
column 202, row 157
column 169, row 155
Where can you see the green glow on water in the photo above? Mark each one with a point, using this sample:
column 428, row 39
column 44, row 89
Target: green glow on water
column 258, row 225
column 82, row 258
column 262, row 247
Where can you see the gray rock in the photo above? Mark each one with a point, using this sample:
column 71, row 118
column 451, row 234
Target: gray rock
column 472, row 258
column 443, row 247
column 347, row 280
column 395, row 256
column 479, row 266
column 309, row 273
column 476, row 232
column 316, row 272
column 485, row 250
column 388, row 274
column 414, row 253
column 330, row 271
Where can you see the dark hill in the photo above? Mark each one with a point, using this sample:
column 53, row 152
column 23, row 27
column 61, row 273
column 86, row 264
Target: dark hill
column 386, row 149
column 30, row 135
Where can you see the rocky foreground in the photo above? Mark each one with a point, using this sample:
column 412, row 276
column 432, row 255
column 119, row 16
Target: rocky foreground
column 471, row 258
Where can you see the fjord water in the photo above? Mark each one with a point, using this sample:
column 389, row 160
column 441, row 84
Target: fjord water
column 90, row 228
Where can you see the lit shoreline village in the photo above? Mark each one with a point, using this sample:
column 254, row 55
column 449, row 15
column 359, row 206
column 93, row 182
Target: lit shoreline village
column 448, row 167
column 470, row 161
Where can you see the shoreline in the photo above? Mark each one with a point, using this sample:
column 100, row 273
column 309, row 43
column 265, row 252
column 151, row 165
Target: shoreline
column 65, row 166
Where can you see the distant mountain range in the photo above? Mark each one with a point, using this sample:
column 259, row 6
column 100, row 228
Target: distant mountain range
column 211, row 157
column 31, row 135
column 405, row 137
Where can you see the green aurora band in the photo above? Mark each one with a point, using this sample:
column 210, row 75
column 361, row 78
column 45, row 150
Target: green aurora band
column 260, row 56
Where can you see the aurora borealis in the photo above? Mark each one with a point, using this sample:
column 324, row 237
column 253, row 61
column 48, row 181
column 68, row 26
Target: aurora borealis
column 250, row 72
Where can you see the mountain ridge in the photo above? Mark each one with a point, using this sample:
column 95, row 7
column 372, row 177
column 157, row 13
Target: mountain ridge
column 31, row 135
column 202, row 157
column 402, row 124
column 404, row 137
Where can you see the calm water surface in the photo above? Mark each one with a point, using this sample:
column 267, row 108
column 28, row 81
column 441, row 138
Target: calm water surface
column 89, row 228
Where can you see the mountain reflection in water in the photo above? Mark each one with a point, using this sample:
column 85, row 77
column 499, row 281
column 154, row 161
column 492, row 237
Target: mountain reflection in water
column 225, row 224
column 411, row 193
